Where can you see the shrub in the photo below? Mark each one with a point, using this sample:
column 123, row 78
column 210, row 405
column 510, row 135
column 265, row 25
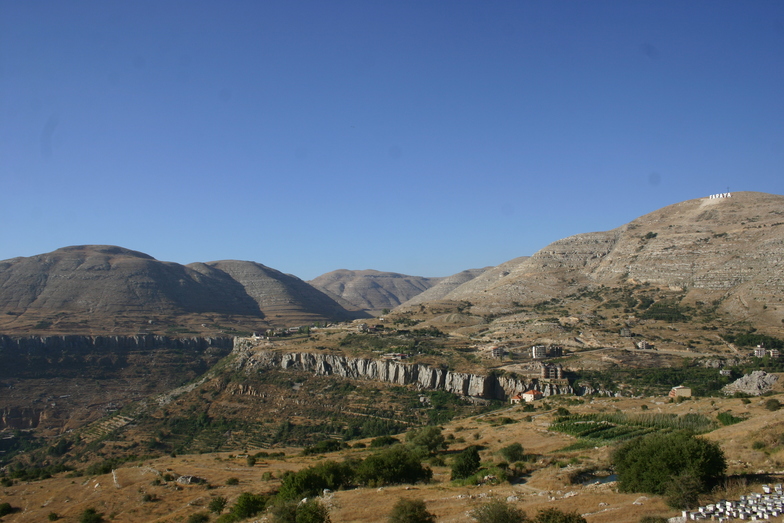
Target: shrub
column 284, row 511
column 428, row 439
column 233, row 481
column 251, row 461
column 726, row 418
column 653, row 519
column 683, row 490
column 773, row 404
column 217, row 504
column 53, row 516
column 396, row 464
column 383, row 441
column 410, row 511
column 313, row 480
column 5, row 509
column 513, row 452
column 199, row 517
column 312, row 511
column 291, row 511
column 648, row 464
column 248, row 505
column 90, row 515
column 553, row 515
column 324, row 446
column 498, row 511
column 466, row 463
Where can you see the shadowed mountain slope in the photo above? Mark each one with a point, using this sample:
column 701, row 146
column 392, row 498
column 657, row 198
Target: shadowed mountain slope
column 372, row 290
column 277, row 293
column 101, row 288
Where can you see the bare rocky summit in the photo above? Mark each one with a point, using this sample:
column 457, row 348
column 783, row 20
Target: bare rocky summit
column 371, row 290
column 728, row 250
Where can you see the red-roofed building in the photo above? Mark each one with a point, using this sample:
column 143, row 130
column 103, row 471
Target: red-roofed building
column 530, row 396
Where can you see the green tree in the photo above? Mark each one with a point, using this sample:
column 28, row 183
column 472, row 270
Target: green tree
column 773, row 404
column 5, row 509
column 396, row 464
column 284, row 511
column 312, row 511
column 217, row 504
column 90, row 515
column 466, row 463
column 313, row 480
column 248, row 505
column 650, row 463
column 513, row 452
column 683, row 490
column 498, row 511
column 198, row 517
column 383, row 441
column 410, row 511
column 251, row 461
column 292, row 511
column 428, row 439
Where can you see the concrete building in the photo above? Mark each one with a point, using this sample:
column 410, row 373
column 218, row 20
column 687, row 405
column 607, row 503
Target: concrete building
column 551, row 372
column 680, row 392
column 538, row 352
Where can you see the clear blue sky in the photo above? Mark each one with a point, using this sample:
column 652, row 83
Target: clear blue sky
column 409, row 136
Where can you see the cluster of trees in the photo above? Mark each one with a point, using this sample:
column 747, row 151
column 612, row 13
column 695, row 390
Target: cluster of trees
column 677, row 465
column 392, row 465
column 493, row 511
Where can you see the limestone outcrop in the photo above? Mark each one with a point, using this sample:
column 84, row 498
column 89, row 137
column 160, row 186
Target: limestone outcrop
column 424, row 377
column 754, row 384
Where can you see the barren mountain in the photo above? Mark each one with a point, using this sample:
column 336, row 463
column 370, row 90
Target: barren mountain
column 445, row 286
column 99, row 288
column 277, row 293
column 372, row 290
column 728, row 250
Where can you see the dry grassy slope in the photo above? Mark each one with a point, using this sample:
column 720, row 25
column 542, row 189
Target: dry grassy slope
column 727, row 249
column 548, row 485
column 372, row 290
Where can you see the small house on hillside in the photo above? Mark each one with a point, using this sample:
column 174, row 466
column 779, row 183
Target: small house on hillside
column 516, row 399
column 680, row 392
column 530, row 396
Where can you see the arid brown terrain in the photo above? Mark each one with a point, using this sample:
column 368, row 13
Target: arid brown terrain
column 156, row 370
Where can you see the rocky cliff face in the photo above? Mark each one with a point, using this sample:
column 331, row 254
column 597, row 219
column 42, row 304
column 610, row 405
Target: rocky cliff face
column 32, row 344
column 250, row 357
column 61, row 382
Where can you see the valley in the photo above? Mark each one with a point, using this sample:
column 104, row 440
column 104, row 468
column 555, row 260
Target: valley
column 121, row 373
